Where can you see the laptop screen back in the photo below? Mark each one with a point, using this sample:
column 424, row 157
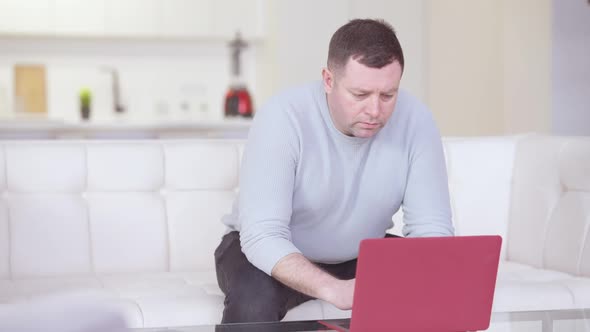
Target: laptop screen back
column 425, row 284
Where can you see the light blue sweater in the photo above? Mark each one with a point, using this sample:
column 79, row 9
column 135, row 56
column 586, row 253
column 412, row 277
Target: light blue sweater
column 305, row 187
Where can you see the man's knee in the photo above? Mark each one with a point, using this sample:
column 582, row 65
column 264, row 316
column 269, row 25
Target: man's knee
column 255, row 302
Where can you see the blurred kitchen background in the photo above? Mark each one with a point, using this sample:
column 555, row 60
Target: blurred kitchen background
column 485, row 67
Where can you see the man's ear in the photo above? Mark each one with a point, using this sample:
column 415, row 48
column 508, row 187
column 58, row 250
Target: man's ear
column 328, row 80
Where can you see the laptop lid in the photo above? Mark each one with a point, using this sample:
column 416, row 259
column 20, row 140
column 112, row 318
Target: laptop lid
column 425, row 284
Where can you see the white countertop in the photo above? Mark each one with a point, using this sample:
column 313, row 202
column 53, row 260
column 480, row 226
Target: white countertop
column 53, row 129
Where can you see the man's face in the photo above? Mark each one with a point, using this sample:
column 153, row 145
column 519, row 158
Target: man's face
column 361, row 99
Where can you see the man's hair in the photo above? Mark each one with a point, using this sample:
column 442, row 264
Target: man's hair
column 373, row 43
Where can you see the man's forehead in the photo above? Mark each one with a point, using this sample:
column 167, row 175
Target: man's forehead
column 362, row 84
column 359, row 77
column 391, row 89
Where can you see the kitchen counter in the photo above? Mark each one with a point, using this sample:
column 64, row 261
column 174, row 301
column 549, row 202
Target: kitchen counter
column 55, row 129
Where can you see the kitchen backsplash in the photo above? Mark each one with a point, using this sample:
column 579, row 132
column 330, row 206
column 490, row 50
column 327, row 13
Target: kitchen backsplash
column 159, row 80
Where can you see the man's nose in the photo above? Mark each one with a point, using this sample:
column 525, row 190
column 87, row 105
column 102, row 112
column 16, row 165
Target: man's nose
column 374, row 107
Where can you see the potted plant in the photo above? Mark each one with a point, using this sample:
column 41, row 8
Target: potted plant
column 85, row 96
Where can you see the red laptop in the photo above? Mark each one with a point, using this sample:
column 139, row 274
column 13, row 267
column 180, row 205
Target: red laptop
column 438, row 284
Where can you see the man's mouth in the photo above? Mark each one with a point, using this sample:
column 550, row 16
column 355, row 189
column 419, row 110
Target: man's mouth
column 370, row 124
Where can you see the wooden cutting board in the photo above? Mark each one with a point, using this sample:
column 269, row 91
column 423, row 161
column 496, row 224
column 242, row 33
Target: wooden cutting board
column 30, row 88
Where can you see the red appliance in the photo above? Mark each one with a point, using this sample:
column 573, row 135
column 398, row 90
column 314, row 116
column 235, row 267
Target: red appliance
column 238, row 101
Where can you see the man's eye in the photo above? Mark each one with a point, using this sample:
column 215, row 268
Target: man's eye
column 360, row 95
column 386, row 97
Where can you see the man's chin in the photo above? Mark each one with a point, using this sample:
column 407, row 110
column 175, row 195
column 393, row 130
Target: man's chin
column 366, row 133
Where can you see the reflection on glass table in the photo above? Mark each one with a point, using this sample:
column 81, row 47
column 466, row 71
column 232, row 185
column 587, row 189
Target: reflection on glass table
column 575, row 320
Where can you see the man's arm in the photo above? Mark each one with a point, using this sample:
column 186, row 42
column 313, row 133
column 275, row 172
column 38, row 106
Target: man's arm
column 426, row 203
column 299, row 273
column 267, row 182
column 266, row 191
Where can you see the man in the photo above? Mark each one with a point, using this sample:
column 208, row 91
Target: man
column 327, row 165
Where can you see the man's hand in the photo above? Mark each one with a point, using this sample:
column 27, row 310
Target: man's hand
column 299, row 273
column 340, row 294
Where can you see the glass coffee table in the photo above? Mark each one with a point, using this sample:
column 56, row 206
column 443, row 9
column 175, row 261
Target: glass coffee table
column 574, row 320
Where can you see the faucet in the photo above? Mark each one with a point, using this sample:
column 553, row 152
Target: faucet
column 117, row 105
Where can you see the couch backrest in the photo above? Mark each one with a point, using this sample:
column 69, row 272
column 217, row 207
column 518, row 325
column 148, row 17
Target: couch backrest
column 550, row 206
column 480, row 176
column 76, row 208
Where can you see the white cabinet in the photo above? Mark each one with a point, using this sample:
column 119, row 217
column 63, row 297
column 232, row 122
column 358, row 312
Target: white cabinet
column 185, row 18
column 26, row 17
column 246, row 16
column 218, row 19
column 132, row 18
column 79, row 18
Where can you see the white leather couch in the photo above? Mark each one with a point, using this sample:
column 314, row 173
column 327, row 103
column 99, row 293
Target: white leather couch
column 137, row 221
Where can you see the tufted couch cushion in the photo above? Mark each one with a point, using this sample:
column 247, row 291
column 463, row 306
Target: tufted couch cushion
column 552, row 175
column 534, row 191
column 137, row 222
column 545, row 199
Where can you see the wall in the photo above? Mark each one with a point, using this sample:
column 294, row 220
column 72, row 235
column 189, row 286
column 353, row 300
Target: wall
column 489, row 66
column 483, row 67
column 299, row 33
column 156, row 76
column 156, row 72
column 527, row 66
column 571, row 67
column 465, row 66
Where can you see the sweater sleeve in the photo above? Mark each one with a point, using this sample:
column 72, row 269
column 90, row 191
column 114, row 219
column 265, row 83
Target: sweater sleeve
column 267, row 178
column 426, row 203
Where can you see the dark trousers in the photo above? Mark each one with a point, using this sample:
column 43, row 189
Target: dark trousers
column 253, row 296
